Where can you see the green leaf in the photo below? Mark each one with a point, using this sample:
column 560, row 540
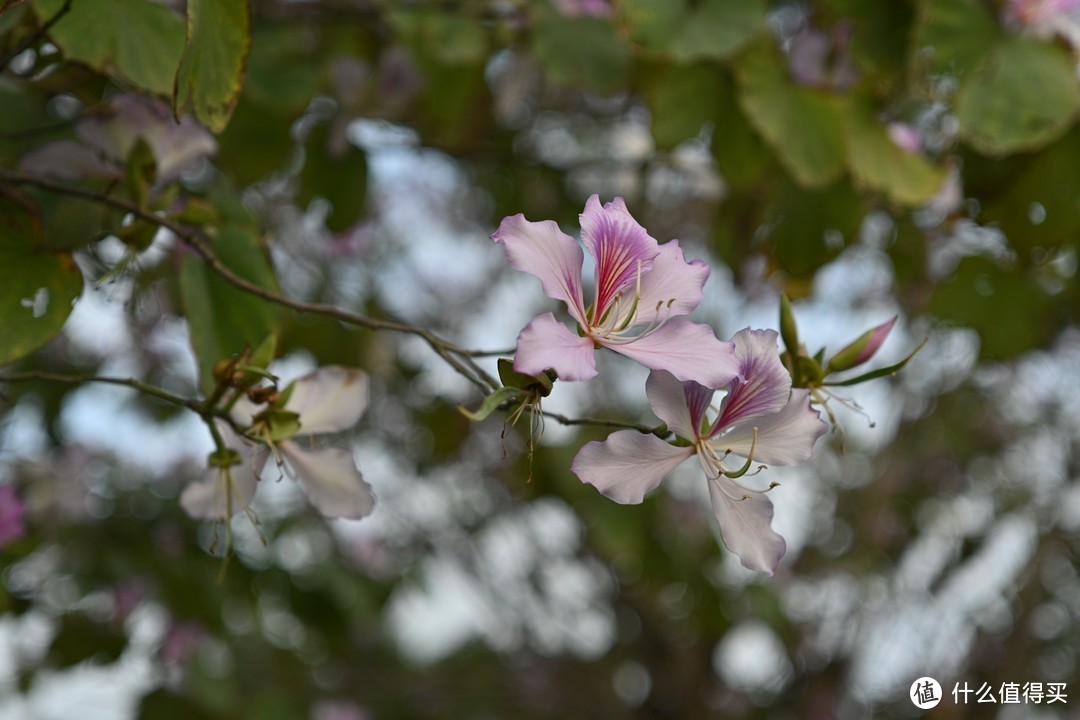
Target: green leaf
column 1039, row 206
column 138, row 40
column 951, row 37
column 454, row 39
column 805, row 228
column 223, row 319
column 1023, row 95
column 682, row 99
column 717, row 29
column 1005, row 305
column 877, row 162
column 804, row 126
column 339, row 175
column 581, row 52
column 740, row 153
column 653, row 23
column 37, row 286
column 211, row 71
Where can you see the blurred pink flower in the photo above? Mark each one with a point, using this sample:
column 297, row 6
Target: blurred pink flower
column 11, row 515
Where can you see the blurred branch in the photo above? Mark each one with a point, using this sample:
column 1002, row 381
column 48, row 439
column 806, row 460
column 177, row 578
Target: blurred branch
column 37, row 35
column 459, row 359
column 661, row 431
column 144, row 388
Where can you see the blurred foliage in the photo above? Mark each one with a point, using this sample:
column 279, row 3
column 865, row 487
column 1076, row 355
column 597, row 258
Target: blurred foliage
column 938, row 136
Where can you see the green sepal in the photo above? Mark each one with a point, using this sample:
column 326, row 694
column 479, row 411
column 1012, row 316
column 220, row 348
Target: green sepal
column 789, row 331
column 140, row 170
column 491, row 403
column 279, row 424
column 542, row 383
column 223, row 458
column 881, row 372
column 137, row 236
column 197, row 212
column 810, row 372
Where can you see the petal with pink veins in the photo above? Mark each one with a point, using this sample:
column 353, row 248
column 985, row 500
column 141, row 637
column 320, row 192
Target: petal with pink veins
column 545, row 343
column 628, row 465
column 547, row 253
column 783, row 438
column 746, row 525
column 687, row 350
column 672, row 287
column 621, row 246
column 329, row 478
column 765, row 383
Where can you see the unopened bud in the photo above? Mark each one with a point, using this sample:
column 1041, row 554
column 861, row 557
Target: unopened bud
column 862, row 349
column 264, row 394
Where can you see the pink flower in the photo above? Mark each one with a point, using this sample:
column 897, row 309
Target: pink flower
column 641, row 288
column 11, row 515
column 760, row 419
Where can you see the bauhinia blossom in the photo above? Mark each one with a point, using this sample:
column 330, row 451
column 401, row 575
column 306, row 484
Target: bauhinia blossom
column 329, row 400
column 761, row 419
column 227, row 486
column 641, row 288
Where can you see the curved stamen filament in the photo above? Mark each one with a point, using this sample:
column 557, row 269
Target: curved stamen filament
column 713, row 464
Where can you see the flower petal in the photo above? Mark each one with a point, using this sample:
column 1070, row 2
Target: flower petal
column 331, row 399
column 765, row 383
column 628, row 465
column 672, row 287
column 680, row 405
column 547, row 343
column 547, row 253
column 746, row 525
column 687, row 350
column 221, row 492
column 620, row 246
column 329, row 478
column 784, row 438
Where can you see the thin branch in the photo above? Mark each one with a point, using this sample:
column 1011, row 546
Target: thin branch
column 460, row 360
column 661, row 431
column 38, row 34
column 144, row 388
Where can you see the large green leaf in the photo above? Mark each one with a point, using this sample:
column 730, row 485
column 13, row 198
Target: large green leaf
column 223, row 319
column 336, row 175
column 805, row 228
column 654, row 24
column 804, row 126
column 741, row 155
column 681, row 99
column 212, row 67
column 717, row 29
column 37, row 286
column 581, row 52
column 1005, row 305
column 138, row 40
column 1022, row 96
column 877, row 162
column 951, row 37
column 1040, row 205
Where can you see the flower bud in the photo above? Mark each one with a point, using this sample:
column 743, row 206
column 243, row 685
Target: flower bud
column 862, row 349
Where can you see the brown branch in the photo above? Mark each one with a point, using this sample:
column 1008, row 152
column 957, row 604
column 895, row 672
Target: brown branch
column 38, row 34
column 457, row 358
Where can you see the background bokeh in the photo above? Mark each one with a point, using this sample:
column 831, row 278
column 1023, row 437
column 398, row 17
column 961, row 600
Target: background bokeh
column 918, row 158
